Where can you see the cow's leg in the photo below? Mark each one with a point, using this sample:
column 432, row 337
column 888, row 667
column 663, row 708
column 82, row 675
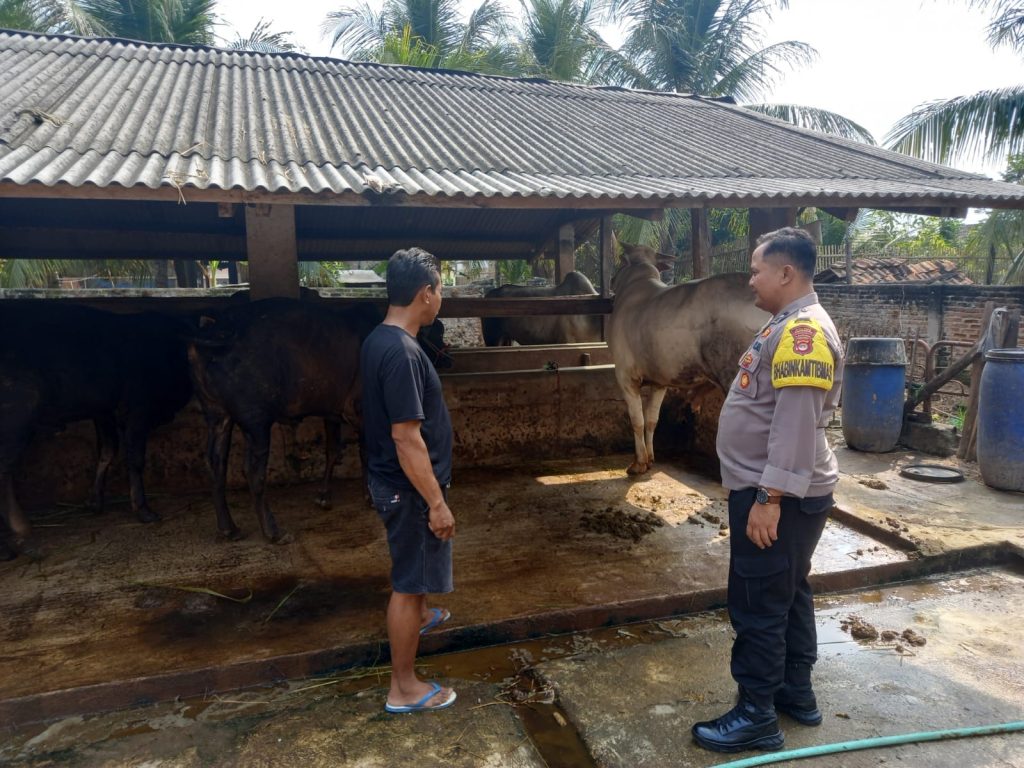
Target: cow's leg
column 15, row 530
column 257, row 453
column 635, row 405
column 653, row 410
column 218, row 448
column 332, row 455
column 106, row 450
column 135, row 436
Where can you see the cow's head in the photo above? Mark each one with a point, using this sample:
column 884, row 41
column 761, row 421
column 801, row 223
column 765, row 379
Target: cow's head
column 640, row 261
column 431, row 339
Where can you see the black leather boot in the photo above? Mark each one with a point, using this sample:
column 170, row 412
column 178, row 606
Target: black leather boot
column 796, row 697
column 748, row 725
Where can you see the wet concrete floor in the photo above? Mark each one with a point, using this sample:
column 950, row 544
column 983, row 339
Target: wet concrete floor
column 554, row 547
column 616, row 696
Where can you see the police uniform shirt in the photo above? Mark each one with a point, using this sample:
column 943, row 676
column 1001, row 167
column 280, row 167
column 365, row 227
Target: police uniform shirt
column 771, row 429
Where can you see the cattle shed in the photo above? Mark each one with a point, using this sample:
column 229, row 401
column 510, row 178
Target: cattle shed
column 116, row 149
column 119, row 149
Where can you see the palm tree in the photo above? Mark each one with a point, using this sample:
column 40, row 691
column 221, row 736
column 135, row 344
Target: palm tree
column 988, row 124
column 712, row 48
column 263, row 40
column 559, row 41
column 436, row 38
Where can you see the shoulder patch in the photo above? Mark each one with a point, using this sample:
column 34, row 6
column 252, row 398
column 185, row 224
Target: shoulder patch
column 803, row 358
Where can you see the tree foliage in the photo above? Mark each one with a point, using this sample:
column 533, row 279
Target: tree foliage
column 988, row 124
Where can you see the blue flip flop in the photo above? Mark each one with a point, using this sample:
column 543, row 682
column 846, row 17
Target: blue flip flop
column 438, row 616
column 421, row 705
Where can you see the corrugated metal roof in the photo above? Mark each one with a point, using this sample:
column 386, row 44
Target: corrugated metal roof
column 104, row 112
column 929, row 271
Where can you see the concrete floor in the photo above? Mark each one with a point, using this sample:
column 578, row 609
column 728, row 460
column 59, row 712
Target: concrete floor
column 551, row 548
column 111, row 616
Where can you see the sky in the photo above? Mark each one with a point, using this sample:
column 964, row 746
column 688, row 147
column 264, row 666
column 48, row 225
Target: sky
column 877, row 59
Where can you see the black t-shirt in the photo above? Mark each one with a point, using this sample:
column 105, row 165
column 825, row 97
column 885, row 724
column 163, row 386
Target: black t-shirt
column 400, row 384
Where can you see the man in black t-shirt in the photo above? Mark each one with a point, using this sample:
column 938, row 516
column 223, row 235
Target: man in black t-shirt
column 408, row 436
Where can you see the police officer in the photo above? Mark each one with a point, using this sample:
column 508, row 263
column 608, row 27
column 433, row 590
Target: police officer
column 780, row 473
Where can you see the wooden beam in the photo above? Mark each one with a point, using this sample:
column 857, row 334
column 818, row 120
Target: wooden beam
column 272, row 251
column 701, row 243
column 61, row 243
column 555, row 305
column 607, row 251
column 186, row 195
column 566, row 261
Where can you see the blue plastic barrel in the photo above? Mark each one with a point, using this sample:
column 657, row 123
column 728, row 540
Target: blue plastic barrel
column 1001, row 420
column 873, row 383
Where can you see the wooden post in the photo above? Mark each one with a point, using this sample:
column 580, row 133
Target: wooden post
column 566, row 261
column 764, row 220
column 607, row 256
column 848, row 251
column 272, row 251
column 967, row 435
column 990, row 266
column 700, row 236
column 161, row 275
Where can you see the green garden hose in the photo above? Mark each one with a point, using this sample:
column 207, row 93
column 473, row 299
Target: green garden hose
column 879, row 741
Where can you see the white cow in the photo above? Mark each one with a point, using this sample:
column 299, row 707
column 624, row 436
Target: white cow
column 674, row 336
column 543, row 329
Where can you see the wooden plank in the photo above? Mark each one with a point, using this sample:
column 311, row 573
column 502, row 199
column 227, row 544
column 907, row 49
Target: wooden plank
column 701, row 243
column 272, row 251
column 560, row 305
column 607, row 256
column 967, row 436
column 67, row 243
column 566, row 261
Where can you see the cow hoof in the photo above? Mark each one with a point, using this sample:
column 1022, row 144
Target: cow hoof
column 323, row 502
column 7, row 552
column 636, row 468
column 281, row 539
column 146, row 515
column 30, row 548
column 232, row 535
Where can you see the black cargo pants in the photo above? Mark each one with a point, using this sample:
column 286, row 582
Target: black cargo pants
column 771, row 605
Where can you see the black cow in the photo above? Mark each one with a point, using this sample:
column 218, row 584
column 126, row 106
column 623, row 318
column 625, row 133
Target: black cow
column 61, row 364
column 281, row 360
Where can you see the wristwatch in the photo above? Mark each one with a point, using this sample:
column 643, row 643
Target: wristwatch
column 763, row 497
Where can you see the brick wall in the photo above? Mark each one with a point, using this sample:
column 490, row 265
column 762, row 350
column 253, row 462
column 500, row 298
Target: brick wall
column 932, row 312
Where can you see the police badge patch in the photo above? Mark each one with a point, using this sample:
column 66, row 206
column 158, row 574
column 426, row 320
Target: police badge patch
column 803, row 358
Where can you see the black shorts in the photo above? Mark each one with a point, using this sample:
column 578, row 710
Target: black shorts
column 420, row 562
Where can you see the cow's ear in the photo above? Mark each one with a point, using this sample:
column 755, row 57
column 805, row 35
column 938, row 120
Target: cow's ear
column 665, row 262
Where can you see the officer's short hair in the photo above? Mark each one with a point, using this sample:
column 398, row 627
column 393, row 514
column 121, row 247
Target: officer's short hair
column 796, row 245
column 408, row 271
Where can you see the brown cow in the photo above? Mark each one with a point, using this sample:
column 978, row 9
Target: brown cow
column 542, row 329
column 674, row 336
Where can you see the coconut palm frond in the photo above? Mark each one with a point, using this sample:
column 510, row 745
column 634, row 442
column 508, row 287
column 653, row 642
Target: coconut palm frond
column 262, row 40
column 484, row 25
column 758, row 72
column 358, row 28
column 989, row 124
column 815, row 119
column 22, row 14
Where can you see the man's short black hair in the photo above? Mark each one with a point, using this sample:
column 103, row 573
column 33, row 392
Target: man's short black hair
column 408, row 271
column 796, row 245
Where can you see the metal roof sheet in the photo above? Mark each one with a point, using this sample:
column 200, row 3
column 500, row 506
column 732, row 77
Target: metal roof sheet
column 107, row 112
